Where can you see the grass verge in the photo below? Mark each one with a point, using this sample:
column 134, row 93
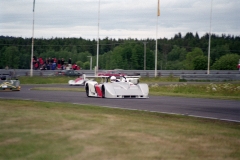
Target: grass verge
column 45, row 80
column 43, row 130
column 211, row 90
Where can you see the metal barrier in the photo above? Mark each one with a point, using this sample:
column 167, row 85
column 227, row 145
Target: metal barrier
column 209, row 77
column 142, row 73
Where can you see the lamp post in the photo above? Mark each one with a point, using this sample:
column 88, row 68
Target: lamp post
column 31, row 66
column 158, row 14
column 209, row 42
column 145, row 54
column 90, row 62
column 98, row 37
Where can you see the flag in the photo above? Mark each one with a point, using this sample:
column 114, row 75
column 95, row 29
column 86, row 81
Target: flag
column 33, row 5
column 158, row 11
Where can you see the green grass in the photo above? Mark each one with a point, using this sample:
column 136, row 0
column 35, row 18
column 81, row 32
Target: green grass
column 45, row 80
column 44, row 130
column 159, row 79
column 211, row 90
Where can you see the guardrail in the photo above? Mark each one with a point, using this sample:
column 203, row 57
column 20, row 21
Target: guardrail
column 210, row 77
column 142, row 73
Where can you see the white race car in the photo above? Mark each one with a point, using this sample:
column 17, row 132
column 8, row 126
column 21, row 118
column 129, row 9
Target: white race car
column 125, row 87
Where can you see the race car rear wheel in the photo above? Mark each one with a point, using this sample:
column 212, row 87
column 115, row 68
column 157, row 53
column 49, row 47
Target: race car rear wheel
column 103, row 92
column 87, row 90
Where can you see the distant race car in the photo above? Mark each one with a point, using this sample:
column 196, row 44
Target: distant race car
column 79, row 81
column 125, row 87
column 10, row 85
column 68, row 73
column 115, row 72
column 3, row 77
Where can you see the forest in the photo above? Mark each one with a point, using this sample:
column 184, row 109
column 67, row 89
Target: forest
column 182, row 52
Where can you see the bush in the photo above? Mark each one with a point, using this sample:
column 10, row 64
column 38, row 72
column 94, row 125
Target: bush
column 227, row 62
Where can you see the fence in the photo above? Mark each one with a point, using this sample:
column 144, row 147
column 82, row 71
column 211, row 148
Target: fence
column 142, row 73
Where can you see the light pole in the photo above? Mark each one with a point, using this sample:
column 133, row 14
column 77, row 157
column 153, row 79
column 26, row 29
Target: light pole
column 145, row 54
column 90, row 62
column 31, row 70
column 158, row 14
column 209, row 42
column 98, row 36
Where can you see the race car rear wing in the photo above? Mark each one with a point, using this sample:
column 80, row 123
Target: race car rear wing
column 86, row 77
column 92, row 76
column 133, row 79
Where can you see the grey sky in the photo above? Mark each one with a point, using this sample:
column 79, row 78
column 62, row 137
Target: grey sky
column 118, row 19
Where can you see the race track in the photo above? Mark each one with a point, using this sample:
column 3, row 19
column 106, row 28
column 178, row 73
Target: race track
column 207, row 108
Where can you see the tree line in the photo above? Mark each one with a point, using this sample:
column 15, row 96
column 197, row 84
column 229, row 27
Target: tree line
column 188, row 52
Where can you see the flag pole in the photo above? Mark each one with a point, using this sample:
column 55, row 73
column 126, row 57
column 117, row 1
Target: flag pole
column 31, row 70
column 156, row 50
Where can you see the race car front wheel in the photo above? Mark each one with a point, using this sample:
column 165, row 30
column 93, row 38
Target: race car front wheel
column 103, row 92
column 87, row 90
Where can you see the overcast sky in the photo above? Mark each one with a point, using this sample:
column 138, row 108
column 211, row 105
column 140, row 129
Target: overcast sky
column 118, row 18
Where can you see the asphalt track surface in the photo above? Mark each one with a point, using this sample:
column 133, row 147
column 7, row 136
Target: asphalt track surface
column 228, row 110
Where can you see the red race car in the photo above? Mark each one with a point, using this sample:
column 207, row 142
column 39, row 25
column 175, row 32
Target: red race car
column 116, row 73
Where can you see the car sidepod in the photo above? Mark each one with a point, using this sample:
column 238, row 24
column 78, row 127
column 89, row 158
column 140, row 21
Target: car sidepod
column 71, row 82
column 93, row 89
column 76, row 83
column 80, row 82
column 125, row 90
